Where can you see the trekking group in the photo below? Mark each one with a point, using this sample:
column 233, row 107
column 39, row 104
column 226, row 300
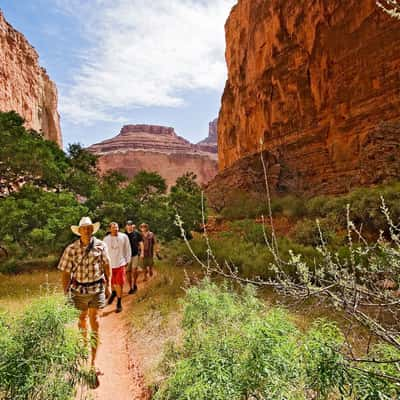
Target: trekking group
column 94, row 271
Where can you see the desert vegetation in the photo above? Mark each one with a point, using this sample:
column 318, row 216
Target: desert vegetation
column 41, row 355
column 236, row 348
column 45, row 190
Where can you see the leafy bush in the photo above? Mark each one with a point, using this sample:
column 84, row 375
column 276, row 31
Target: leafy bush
column 306, row 232
column 235, row 348
column 38, row 221
column 40, row 355
column 240, row 204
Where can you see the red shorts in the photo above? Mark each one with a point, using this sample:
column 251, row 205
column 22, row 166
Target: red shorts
column 118, row 276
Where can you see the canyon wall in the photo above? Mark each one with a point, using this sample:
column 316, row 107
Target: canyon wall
column 316, row 85
column 154, row 149
column 25, row 87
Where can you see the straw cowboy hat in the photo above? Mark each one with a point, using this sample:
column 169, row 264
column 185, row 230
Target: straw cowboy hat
column 85, row 221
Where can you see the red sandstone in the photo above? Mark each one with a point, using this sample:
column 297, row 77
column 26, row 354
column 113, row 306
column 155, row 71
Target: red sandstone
column 25, row 87
column 318, row 83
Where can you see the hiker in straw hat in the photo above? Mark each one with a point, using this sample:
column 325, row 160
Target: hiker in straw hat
column 86, row 274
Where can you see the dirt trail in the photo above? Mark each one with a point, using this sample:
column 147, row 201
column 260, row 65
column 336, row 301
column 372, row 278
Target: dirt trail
column 122, row 378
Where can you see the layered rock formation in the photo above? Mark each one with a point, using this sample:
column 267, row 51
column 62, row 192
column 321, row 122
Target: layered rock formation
column 210, row 143
column 154, row 148
column 317, row 83
column 25, row 87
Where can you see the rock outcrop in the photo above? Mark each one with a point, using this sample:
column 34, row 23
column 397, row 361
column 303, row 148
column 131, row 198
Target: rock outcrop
column 210, row 143
column 25, row 87
column 157, row 149
column 316, row 85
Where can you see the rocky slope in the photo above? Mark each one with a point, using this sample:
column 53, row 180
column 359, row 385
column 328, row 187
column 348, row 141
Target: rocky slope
column 154, row 148
column 25, row 87
column 317, row 82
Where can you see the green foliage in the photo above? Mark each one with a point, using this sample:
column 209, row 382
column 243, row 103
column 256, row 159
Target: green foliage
column 40, row 355
column 82, row 172
column 240, row 204
column 249, row 255
column 38, row 221
column 26, row 155
column 234, row 348
column 325, row 367
column 149, row 184
column 250, row 231
column 185, row 199
column 306, row 232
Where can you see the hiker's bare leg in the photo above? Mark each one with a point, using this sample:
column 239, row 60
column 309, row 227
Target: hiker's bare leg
column 131, row 277
column 119, row 290
column 94, row 325
column 150, row 271
column 82, row 324
column 146, row 269
column 135, row 273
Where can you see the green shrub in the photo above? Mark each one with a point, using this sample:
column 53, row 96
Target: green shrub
column 40, row 355
column 38, row 221
column 250, row 231
column 234, row 348
column 306, row 232
column 240, row 204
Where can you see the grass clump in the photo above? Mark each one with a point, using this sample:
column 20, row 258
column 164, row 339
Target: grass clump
column 40, row 354
column 234, row 348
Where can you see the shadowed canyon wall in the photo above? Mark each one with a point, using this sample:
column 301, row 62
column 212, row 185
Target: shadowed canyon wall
column 318, row 83
column 25, row 87
column 154, row 149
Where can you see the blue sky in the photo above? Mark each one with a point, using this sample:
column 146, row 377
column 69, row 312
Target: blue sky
column 129, row 61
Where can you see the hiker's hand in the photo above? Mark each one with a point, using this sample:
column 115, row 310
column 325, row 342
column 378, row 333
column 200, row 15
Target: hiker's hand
column 108, row 291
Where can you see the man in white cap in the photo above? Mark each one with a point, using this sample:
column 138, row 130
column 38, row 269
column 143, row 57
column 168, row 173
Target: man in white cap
column 120, row 253
column 86, row 275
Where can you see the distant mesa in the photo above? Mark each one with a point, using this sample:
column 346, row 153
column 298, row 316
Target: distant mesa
column 158, row 149
column 25, row 86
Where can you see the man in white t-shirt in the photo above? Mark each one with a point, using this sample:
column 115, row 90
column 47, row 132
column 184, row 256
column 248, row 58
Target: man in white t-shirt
column 119, row 251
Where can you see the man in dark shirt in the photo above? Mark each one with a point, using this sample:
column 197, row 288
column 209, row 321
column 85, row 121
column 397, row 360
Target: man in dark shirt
column 134, row 267
column 150, row 248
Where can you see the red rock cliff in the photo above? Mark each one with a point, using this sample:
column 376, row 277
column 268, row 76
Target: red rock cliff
column 25, row 87
column 154, row 148
column 319, row 83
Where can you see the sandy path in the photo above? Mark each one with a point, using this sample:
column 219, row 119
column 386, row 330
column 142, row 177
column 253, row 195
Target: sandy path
column 122, row 378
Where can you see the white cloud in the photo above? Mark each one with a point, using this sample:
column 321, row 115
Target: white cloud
column 144, row 53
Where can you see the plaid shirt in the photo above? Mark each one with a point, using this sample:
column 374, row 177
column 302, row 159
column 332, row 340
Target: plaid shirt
column 85, row 266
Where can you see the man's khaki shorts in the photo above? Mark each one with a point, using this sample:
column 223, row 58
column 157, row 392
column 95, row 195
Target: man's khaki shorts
column 85, row 301
column 135, row 264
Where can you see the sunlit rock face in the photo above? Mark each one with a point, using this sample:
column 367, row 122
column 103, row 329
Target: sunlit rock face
column 25, row 87
column 155, row 149
column 318, row 84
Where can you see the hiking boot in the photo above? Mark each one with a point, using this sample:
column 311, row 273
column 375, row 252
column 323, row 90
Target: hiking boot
column 133, row 290
column 119, row 306
column 112, row 297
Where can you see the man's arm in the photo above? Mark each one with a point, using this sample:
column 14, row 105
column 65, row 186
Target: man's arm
column 141, row 244
column 65, row 266
column 128, row 250
column 66, row 279
column 107, row 270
